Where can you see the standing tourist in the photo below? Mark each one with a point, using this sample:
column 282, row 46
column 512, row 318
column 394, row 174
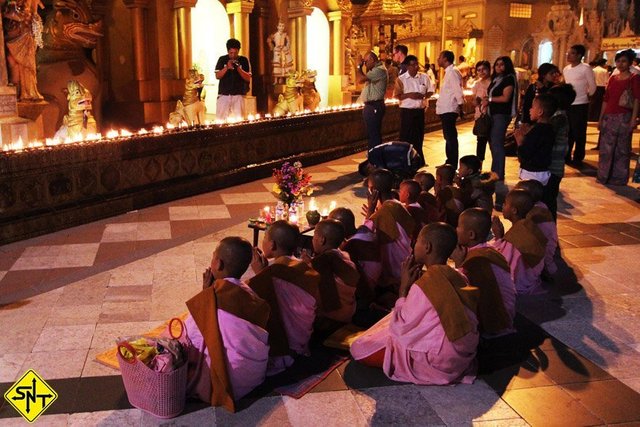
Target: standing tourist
column 234, row 73
column 581, row 77
column 548, row 75
column 449, row 104
column 479, row 89
column 375, row 85
column 601, row 75
column 617, row 121
column 400, row 53
column 412, row 88
column 502, row 98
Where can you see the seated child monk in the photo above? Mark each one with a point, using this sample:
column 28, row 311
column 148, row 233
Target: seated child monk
column 409, row 193
column 227, row 326
column 338, row 275
column 488, row 270
column 477, row 187
column 363, row 249
column 290, row 287
column 523, row 245
column 426, row 199
column 449, row 198
column 391, row 222
column 543, row 217
column 431, row 336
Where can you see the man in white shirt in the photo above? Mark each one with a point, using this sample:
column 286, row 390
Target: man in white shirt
column 601, row 75
column 581, row 77
column 412, row 89
column 449, row 104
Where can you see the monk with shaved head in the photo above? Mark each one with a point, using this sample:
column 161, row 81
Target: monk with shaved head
column 290, row 286
column 230, row 349
column 542, row 216
column 338, row 275
column 431, row 336
column 362, row 246
column 488, row 270
column 523, row 245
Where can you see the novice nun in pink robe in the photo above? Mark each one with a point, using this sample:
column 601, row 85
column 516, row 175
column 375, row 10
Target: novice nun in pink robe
column 431, row 336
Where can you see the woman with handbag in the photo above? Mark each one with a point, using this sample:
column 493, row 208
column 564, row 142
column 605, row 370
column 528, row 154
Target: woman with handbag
column 482, row 125
column 618, row 118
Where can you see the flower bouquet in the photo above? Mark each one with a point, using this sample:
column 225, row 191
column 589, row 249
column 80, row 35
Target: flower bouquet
column 292, row 182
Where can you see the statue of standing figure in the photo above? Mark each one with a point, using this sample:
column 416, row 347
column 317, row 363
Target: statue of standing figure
column 282, row 60
column 22, row 28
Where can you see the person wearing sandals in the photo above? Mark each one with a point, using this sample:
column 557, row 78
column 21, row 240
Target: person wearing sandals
column 618, row 118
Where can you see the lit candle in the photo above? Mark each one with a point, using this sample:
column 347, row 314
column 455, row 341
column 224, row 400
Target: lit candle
column 332, row 205
column 325, row 213
column 312, row 204
column 293, row 219
column 267, row 213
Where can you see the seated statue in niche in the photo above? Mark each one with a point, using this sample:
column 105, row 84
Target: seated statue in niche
column 22, row 36
column 191, row 108
column 78, row 123
column 282, row 60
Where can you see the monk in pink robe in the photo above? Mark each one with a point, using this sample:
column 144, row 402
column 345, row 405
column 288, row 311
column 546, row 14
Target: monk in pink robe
column 392, row 224
column 364, row 251
column 291, row 287
column 524, row 245
column 431, row 336
column 409, row 193
column 543, row 218
column 427, row 201
column 227, row 329
column 486, row 269
column 338, row 275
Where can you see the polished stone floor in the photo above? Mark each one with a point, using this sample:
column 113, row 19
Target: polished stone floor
column 66, row 296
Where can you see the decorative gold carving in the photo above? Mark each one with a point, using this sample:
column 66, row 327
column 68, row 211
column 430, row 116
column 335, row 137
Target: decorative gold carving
column 191, row 108
column 345, row 5
column 178, row 4
column 78, row 122
column 23, row 35
column 282, row 60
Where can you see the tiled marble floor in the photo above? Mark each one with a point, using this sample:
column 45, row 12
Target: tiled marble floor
column 69, row 294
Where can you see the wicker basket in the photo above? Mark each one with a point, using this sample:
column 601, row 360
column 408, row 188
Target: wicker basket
column 161, row 394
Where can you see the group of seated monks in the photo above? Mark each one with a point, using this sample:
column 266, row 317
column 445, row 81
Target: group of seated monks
column 441, row 271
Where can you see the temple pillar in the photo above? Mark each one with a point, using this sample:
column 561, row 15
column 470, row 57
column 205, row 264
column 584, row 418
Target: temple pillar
column 337, row 79
column 238, row 12
column 183, row 26
column 138, row 22
column 298, row 35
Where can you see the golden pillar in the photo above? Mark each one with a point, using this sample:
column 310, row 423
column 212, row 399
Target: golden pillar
column 238, row 12
column 138, row 21
column 337, row 43
column 298, row 35
column 183, row 37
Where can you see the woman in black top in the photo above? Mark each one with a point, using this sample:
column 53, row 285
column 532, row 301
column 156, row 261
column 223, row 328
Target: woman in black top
column 548, row 76
column 501, row 100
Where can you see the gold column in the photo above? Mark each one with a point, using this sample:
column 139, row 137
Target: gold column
column 183, row 27
column 138, row 21
column 337, row 43
column 298, row 35
column 239, row 12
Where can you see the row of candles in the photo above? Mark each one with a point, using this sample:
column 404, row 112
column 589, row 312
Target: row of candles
column 296, row 216
column 113, row 134
column 19, row 144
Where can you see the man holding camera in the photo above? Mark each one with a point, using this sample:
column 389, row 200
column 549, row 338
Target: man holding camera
column 234, row 73
column 375, row 84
